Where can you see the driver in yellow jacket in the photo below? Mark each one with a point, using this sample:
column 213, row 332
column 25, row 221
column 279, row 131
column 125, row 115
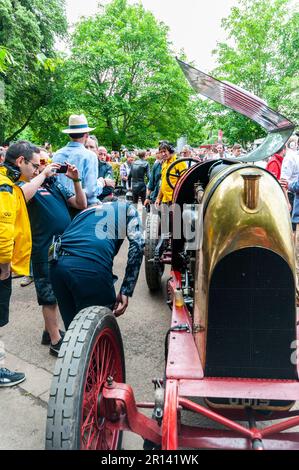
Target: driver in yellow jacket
column 168, row 156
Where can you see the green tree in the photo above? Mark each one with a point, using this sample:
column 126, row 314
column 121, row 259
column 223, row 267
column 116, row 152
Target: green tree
column 28, row 30
column 261, row 55
column 123, row 75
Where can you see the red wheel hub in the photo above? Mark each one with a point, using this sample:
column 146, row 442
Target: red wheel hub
column 105, row 361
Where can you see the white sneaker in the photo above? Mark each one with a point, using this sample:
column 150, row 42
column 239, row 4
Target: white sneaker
column 26, row 281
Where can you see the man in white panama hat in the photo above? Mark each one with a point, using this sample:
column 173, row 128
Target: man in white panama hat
column 85, row 161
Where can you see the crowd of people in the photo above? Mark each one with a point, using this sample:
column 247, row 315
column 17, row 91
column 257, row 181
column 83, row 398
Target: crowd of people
column 62, row 223
column 56, row 204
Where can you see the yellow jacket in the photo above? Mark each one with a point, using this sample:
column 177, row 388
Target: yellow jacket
column 166, row 193
column 15, row 233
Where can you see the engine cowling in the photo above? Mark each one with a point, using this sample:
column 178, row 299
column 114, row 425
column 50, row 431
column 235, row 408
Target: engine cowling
column 245, row 280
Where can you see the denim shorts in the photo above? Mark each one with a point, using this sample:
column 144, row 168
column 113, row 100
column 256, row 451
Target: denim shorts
column 43, row 286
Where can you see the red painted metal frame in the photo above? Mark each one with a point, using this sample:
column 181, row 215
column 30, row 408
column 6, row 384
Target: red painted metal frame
column 170, row 418
column 186, row 365
column 129, row 416
column 185, row 377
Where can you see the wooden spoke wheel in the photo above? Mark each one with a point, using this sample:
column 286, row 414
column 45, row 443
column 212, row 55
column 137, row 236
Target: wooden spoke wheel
column 91, row 352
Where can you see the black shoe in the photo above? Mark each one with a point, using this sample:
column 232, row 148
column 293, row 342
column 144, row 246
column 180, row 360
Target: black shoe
column 46, row 340
column 54, row 348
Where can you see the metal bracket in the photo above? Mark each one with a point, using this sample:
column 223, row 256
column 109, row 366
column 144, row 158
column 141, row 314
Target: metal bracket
column 197, row 328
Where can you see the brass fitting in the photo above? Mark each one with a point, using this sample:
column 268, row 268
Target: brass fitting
column 251, row 190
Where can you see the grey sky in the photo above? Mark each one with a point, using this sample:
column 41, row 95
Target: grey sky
column 195, row 25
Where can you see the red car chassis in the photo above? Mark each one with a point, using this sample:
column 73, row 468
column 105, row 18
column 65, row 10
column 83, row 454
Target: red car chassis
column 185, row 378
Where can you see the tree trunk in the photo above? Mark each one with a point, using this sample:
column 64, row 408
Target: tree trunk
column 14, row 135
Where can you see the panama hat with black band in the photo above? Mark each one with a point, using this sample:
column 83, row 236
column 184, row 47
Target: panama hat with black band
column 78, row 125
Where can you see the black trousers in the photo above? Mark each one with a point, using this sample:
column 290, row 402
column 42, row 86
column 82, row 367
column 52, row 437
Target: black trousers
column 139, row 194
column 79, row 283
column 5, row 294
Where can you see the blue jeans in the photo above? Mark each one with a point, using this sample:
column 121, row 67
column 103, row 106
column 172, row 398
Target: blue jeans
column 79, row 283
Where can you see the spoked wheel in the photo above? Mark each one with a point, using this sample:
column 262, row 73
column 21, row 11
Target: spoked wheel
column 153, row 270
column 175, row 173
column 92, row 351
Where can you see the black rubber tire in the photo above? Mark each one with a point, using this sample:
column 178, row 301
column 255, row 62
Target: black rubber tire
column 63, row 430
column 153, row 273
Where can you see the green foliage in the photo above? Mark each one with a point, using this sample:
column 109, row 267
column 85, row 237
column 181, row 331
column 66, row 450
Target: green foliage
column 151, row 161
column 116, row 171
column 122, row 75
column 27, row 33
column 5, row 59
column 260, row 55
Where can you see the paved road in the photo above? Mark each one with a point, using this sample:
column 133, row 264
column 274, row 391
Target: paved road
column 23, row 408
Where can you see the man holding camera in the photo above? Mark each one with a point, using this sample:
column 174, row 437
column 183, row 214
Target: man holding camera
column 139, row 170
column 47, row 204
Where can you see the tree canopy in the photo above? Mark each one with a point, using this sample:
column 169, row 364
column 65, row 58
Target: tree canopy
column 121, row 72
column 28, row 29
column 261, row 55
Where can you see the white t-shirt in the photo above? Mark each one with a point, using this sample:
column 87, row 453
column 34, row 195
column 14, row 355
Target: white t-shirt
column 290, row 166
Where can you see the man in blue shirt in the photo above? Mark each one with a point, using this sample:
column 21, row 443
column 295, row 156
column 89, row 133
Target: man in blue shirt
column 84, row 160
column 82, row 276
column 47, row 204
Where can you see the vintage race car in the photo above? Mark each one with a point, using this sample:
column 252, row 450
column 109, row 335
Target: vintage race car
column 232, row 339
